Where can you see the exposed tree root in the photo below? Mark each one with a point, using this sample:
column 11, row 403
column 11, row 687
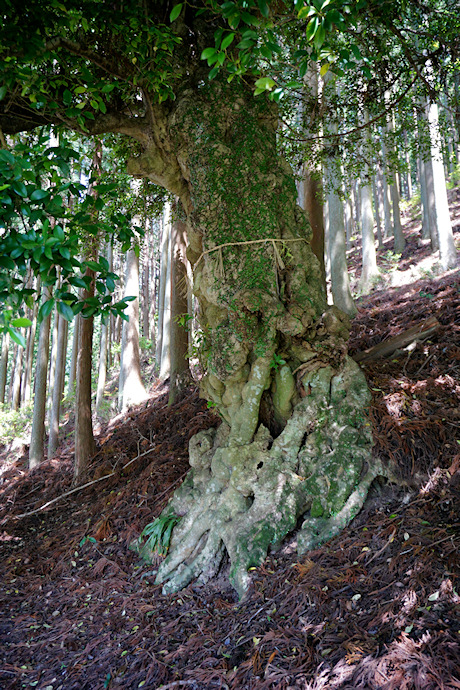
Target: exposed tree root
column 241, row 500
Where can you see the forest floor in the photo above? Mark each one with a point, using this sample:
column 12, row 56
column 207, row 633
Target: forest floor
column 375, row 608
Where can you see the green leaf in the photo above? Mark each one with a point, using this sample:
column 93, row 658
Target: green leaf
column 6, row 262
column 7, row 157
column 320, row 37
column 306, row 11
column 77, row 282
column 19, row 187
column 65, row 310
column 227, row 41
column 175, row 12
column 67, row 97
column 312, row 26
column 263, row 7
column 21, row 322
column 93, row 265
column 64, row 252
column 264, row 84
column 207, row 53
column 356, row 52
column 46, row 309
column 38, row 195
column 324, row 69
column 3, row 90
column 17, row 337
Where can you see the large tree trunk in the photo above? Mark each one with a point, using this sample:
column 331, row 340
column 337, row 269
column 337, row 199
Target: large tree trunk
column 295, row 440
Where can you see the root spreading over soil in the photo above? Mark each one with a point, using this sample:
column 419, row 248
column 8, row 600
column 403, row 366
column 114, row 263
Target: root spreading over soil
column 377, row 607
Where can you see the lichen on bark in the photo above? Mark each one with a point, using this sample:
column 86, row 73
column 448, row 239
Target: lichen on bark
column 295, row 441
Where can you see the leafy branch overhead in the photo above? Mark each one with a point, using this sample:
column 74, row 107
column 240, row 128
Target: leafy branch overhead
column 44, row 219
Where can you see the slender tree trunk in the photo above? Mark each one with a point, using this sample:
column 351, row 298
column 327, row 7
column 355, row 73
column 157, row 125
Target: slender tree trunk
column 53, row 357
column 131, row 390
column 103, row 349
column 340, row 283
column 311, row 197
column 57, row 386
column 447, row 251
column 399, row 240
column 85, row 446
column 146, row 286
column 165, row 359
column 180, row 374
column 423, row 199
column 375, row 196
column 408, row 164
column 14, row 360
column 164, row 262
column 4, row 366
column 37, row 437
column 369, row 257
column 74, row 355
column 30, row 352
column 18, row 378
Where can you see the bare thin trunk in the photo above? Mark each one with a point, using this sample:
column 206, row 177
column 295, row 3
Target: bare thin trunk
column 180, row 373
column 57, row 387
column 18, row 378
column 447, row 251
column 4, row 365
column 131, row 390
column 84, row 439
column 37, row 438
column 30, row 353
column 74, row 355
column 165, row 236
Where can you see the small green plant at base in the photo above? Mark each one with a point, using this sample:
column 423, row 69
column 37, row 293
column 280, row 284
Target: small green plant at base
column 158, row 534
column 276, row 362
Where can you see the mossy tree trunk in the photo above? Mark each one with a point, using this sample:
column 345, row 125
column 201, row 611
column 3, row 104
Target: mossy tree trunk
column 294, row 439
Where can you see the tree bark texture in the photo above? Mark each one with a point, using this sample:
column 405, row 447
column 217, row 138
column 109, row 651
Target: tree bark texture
column 18, row 378
column 37, row 436
column 294, row 442
column 131, row 390
column 179, row 376
column 56, row 393
column 370, row 270
column 447, row 251
column 4, row 365
column 85, row 446
column 164, row 258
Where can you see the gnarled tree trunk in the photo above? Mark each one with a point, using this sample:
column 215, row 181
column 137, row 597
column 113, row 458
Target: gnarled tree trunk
column 295, row 440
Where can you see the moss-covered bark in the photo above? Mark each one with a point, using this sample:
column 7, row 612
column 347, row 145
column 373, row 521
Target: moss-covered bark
column 295, row 440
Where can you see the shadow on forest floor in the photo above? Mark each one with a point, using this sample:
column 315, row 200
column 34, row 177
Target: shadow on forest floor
column 376, row 607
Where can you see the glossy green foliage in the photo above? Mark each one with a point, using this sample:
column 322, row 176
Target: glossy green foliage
column 41, row 236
